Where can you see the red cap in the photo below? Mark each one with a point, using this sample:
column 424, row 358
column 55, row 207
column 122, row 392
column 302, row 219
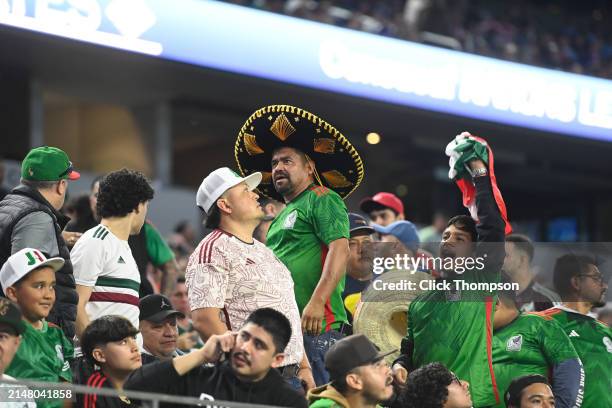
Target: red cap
column 383, row 199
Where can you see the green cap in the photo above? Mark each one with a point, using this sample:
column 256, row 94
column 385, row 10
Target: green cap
column 47, row 164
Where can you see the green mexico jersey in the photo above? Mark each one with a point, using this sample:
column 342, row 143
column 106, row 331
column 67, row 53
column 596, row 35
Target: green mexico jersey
column 299, row 236
column 531, row 344
column 592, row 340
column 43, row 355
column 455, row 328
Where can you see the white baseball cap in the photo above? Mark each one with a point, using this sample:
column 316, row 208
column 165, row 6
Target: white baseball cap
column 218, row 182
column 23, row 262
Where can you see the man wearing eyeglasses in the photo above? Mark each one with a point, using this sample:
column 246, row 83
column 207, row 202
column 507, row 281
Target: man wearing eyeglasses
column 434, row 386
column 582, row 287
column 30, row 218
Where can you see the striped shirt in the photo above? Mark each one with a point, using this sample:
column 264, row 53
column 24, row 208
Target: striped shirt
column 105, row 263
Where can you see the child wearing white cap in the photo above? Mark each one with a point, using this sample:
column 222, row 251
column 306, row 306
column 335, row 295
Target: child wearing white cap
column 28, row 279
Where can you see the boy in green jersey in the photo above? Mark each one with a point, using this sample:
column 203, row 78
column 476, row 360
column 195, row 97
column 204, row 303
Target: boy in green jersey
column 533, row 343
column 453, row 326
column 310, row 166
column 45, row 353
column 582, row 286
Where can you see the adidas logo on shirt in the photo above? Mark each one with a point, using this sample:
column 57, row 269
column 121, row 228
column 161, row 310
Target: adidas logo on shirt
column 574, row 334
column 121, row 260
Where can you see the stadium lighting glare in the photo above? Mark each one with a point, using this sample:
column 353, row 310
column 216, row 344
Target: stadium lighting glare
column 255, row 43
column 373, row 138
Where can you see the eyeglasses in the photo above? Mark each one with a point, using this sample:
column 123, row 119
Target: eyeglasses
column 68, row 170
column 454, row 378
column 597, row 278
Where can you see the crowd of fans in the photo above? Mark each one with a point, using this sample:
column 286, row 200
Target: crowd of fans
column 564, row 35
column 230, row 319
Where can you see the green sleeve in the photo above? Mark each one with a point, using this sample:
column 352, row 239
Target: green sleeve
column 159, row 252
column 323, row 403
column 556, row 346
column 330, row 217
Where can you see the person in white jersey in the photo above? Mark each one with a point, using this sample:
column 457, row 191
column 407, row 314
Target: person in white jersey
column 105, row 271
column 231, row 274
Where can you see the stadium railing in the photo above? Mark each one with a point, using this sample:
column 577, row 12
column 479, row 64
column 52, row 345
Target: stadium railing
column 147, row 399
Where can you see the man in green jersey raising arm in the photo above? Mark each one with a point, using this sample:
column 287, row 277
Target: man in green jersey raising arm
column 454, row 327
column 308, row 164
column 582, row 286
column 533, row 343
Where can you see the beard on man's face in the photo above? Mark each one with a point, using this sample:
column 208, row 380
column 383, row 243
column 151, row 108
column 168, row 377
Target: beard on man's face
column 282, row 183
column 601, row 302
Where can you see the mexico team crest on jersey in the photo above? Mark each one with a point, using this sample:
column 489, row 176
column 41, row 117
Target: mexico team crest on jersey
column 514, row 343
column 290, row 220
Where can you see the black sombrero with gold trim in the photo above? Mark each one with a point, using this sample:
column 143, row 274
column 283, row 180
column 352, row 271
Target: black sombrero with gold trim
column 338, row 165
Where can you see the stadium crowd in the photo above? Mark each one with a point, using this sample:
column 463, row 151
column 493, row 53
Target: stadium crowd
column 564, row 35
column 268, row 320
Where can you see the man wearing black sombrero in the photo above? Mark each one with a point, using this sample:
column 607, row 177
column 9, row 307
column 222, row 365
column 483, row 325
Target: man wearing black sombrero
column 308, row 164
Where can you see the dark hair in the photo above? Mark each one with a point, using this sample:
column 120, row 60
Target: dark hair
column 180, row 279
column 274, row 323
column 340, row 383
column 80, row 206
column 523, row 243
column 39, row 185
column 213, row 219
column 96, row 179
column 464, row 223
column 121, row 192
column 380, row 207
column 300, row 153
column 514, row 393
column 104, row 330
column 181, row 226
column 568, row 266
column 426, row 387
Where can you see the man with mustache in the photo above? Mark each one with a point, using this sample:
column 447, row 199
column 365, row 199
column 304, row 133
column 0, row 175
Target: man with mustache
column 360, row 376
column 158, row 325
column 310, row 166
column 582, row 286
column 244, row 375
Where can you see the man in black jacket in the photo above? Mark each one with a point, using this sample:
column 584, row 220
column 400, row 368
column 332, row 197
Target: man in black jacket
column 246, row 375
column 30, row 218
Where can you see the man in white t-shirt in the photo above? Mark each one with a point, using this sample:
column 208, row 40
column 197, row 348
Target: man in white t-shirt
column 105, row 271
column 231, row 274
